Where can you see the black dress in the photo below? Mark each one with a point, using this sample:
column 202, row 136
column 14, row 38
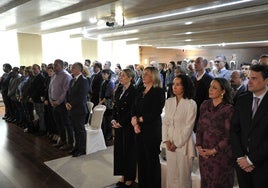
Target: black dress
column 125, row 162
column 149, row 106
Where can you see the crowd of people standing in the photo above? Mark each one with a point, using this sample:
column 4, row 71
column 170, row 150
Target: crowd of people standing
column 210, row 111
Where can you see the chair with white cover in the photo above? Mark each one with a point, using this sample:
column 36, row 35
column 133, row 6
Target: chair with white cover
column 89, row 107
column 95, row 138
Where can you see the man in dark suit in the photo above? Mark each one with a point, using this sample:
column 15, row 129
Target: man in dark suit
column 4, row 83
column 249, row 131
column 95, row 83
column 76, row 103
column 36, row 93
column 238, row 88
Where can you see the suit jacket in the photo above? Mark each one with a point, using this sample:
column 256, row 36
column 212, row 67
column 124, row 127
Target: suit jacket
column 37, row 88
column 95, row 85
column 150, row 107
column 250, row 136
column 123, row 105
column 77, row 96
column 4, row 82
column 239, row 92
column 178, row 124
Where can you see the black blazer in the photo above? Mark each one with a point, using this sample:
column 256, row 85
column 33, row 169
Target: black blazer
column 150, row 108
column 122, row 106
column 77, row 95
column 250, row 136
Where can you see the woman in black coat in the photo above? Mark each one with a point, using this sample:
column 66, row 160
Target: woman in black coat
column 124, row 141
column 146, row 119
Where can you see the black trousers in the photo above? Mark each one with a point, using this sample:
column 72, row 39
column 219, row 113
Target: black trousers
column 61, row 117
column 149, row 168
column 255, row 179
column 78, row 124
column 7, row 102
column 125, row 159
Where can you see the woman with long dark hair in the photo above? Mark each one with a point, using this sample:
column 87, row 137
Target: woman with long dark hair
column 177, row 132
column 213, row 137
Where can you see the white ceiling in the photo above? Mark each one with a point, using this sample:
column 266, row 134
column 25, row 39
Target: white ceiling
column 161, row 23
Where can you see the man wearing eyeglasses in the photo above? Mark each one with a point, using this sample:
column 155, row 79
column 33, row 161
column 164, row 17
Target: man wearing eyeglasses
column 222, row 67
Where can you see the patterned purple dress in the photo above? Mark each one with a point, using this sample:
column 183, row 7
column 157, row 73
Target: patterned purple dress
column 213, row 132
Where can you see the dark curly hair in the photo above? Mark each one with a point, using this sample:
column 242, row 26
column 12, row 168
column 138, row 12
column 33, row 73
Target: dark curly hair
column 188, row 86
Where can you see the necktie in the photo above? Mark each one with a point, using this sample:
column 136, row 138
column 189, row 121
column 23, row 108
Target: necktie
column 234, row 91
column 91, row 82
column 255, row 105
column 73, row 82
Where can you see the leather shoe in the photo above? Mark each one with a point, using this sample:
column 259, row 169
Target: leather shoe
column 10, row 119
column 14, row 121
column 58, row 145
column 78, row 154
column 5, row 117
column 40, row 133
column 120, row 184
column 66, row 147
column 73, row 151
column 130, row 185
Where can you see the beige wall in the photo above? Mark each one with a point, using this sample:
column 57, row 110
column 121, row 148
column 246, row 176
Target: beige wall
column 148, row 54
column 30, row 49
column 89, row 49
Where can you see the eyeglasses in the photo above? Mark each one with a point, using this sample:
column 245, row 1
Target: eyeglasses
column 217, row 61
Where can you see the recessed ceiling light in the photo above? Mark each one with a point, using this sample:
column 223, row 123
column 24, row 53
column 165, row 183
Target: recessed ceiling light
column 93, row 20
column 188, row 23
column 188, row 40
column 188, row 33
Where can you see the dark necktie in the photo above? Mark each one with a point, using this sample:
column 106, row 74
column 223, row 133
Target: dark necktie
column 91, row 82
column 73, row 82
column 255, row 105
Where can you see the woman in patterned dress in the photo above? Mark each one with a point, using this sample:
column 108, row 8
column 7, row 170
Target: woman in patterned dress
column 212, row 137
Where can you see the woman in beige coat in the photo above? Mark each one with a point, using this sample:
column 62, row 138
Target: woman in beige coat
column 177, row 133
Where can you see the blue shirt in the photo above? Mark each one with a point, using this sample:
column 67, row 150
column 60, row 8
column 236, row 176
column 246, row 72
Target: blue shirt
column 224, row 73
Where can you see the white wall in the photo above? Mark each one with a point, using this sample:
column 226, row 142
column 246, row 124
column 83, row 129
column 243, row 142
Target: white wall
column 8, row 49
column 118, row 52
column 61, row 46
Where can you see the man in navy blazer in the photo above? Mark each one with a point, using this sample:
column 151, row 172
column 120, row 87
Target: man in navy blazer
column 249, row 132
column 76, row 103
